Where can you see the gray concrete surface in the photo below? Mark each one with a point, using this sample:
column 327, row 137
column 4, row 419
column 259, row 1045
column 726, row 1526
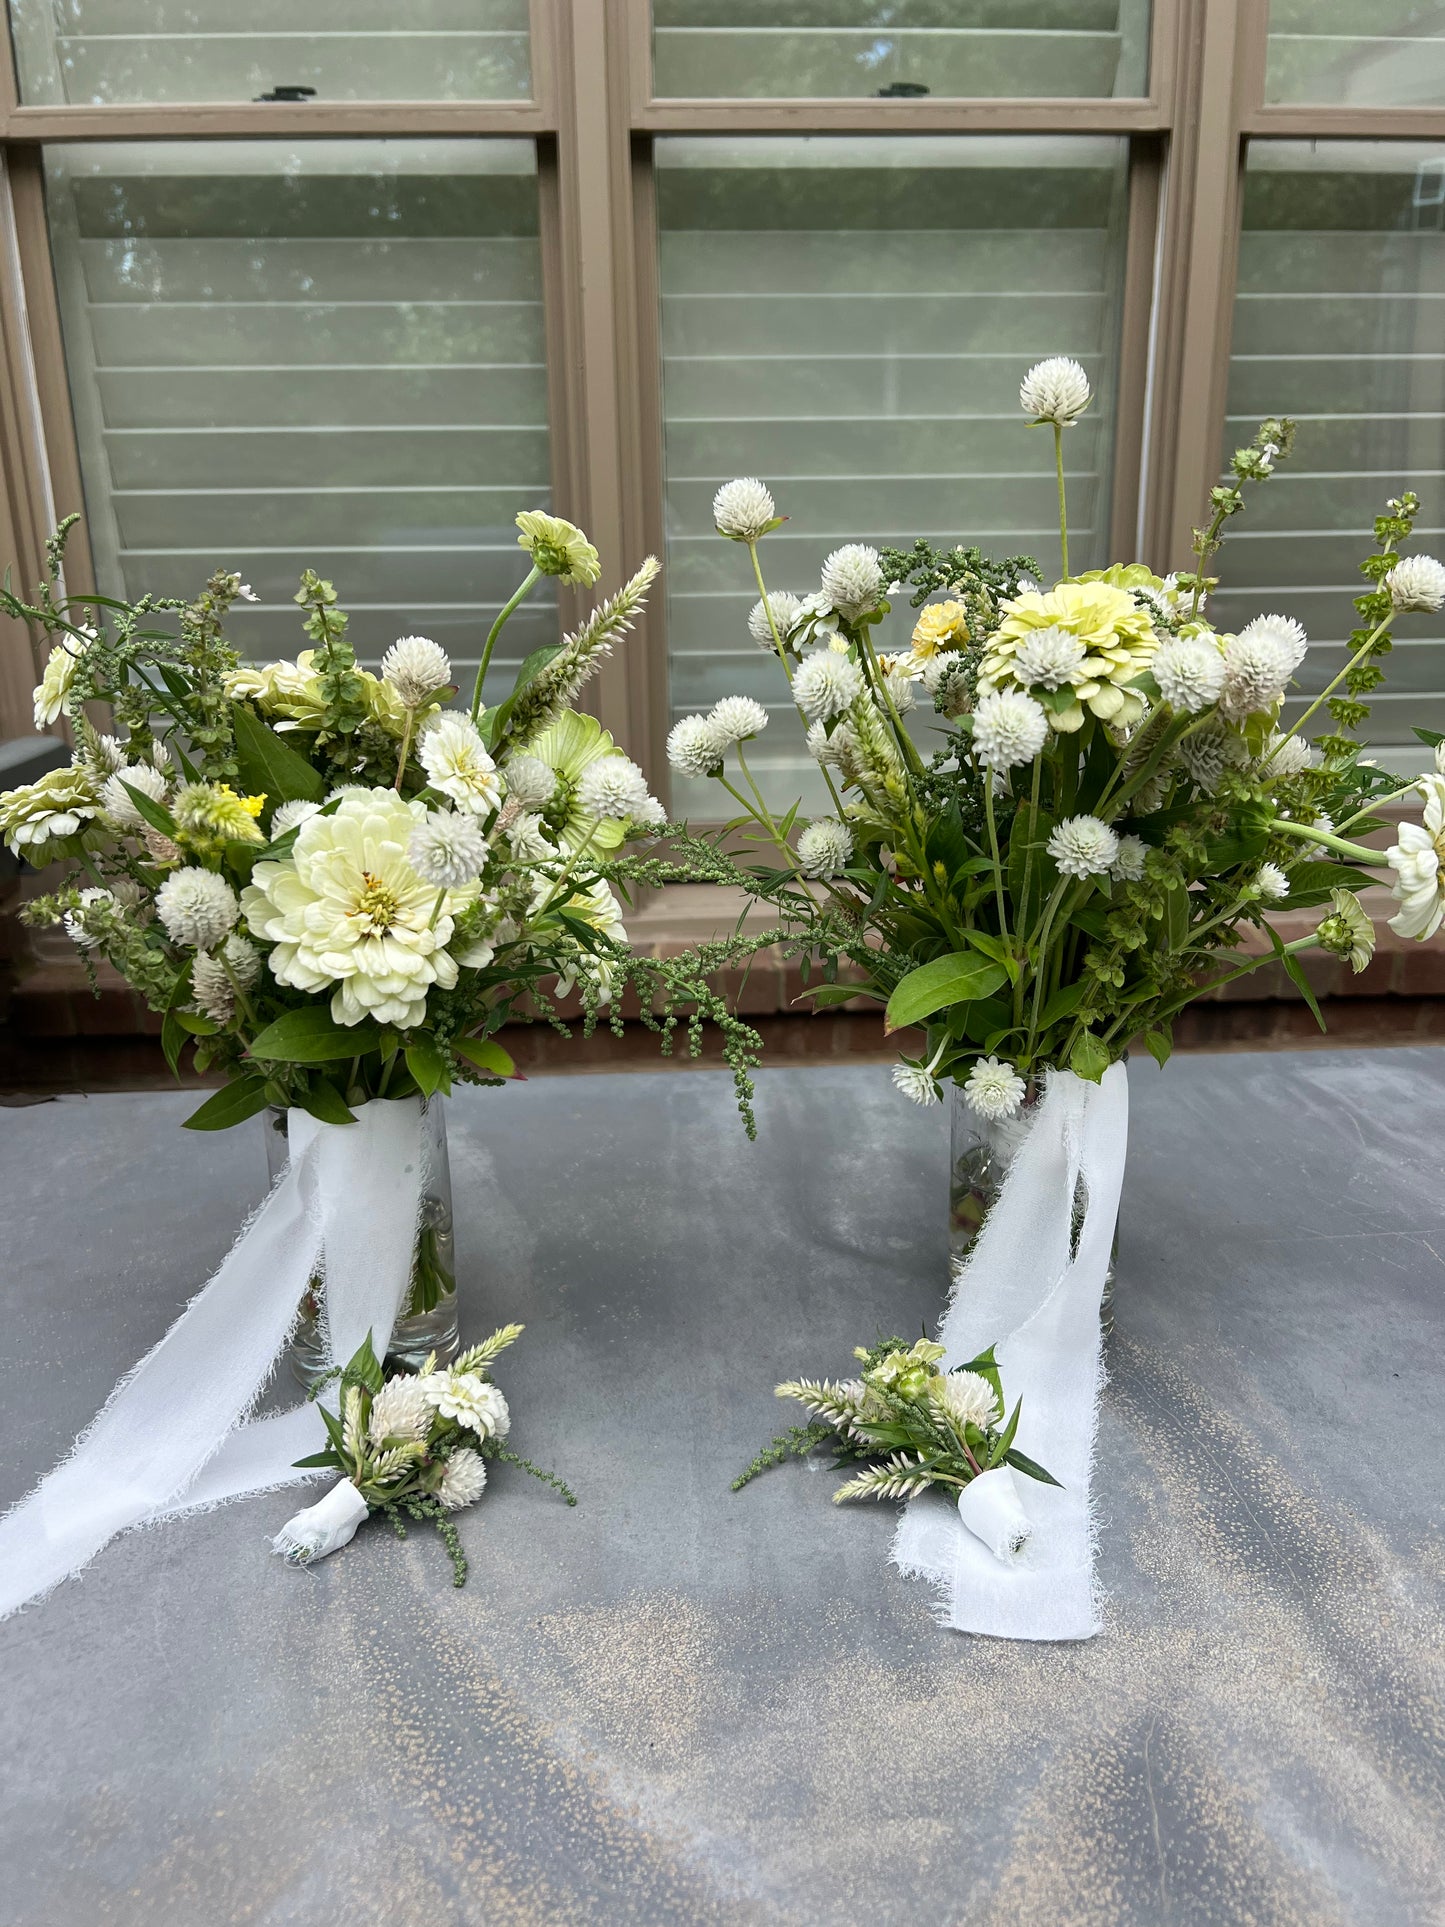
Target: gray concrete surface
column 678, row 1705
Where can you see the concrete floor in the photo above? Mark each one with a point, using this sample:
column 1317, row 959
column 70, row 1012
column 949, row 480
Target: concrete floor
column 679, row 1705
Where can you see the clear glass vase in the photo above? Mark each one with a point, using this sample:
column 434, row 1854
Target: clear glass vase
column 428, row 1320
column 980, row 1153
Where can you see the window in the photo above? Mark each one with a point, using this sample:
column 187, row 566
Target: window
column 1362, row 53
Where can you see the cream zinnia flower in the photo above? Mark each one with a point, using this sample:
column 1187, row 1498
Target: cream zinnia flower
column 825, row 847
column 197, row 907
column 464, row 1478
column 1348, row 931
column 457, row 764
column 1418, row 860
column 1118, row 639
column 743, row 510
column 558, row 547
column 54, row 685
column 347, row 908
column 994, row 1089
column 1055, row 390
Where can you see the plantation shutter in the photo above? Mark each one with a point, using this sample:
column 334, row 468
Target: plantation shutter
column 1358, row 53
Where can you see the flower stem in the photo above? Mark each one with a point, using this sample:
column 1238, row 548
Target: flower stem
column 781, row 648
column 994, row 852
column 1357, row 853
column 1063, row 505
column 405, row 748
column 529, row 581
column 1364, row 649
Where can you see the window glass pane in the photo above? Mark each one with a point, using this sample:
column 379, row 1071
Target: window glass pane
column 97, row 51
column 974, row 48
column 850, row 320
column 1357, row 53
column 327, row 354
column 1338, row 322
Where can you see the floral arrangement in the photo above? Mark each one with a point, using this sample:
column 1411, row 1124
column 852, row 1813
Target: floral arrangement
column 913, row 1428
column 1113, row 804
column 332, row 883
column 415, row 1443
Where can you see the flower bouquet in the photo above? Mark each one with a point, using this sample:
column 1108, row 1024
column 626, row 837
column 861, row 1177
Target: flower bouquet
column 1103, row 804
column 916, row 1429
column 415, row 1443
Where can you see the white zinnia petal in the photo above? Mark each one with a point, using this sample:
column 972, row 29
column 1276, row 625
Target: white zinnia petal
column 825, row 847
column 1008, row 728
column 743, row 509
column 458, row 764
column 197, row 907
column 1082, row 846
column 1055, row 390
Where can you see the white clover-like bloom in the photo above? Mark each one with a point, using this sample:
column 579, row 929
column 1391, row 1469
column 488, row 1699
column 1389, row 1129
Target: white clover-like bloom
column 737, row 719
column 825, row 847
column 650, row 814
column 464, row 1479
column 470, row 1401
column 994, row 1089
column 115, row 799
column 1258, row 665
column 826, row 684
column 743, row 509
column 416, row 667
column 1190, row 672
column 968, row 1399
column 1285, row 756
column 613, row 788
column 1207, row 752
column 917, row 1083
column 899, row 685
column 1083, row 846
column 1055, row 390
column 107, row 757
column 1050, row 657
column 347, row 912
column 530, row 781
column 400, row 1410
column 447, row 848
column 1128, row 864
column 838, row 751
column 1272, row 883
column 1008, row 728
column 853, row 580
column 1418, row 860
column 1417, row 582
column 290, row 816
column 786, row 608
column 527, row 834
column 214, row 980
column 457, row 764
column 74, row 920
column 694, row 746
column 197, row 907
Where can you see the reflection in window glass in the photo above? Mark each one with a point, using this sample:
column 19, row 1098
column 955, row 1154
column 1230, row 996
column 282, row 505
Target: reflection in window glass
column 850, row 321
column 975, row 48
column 92, row 52
column 1338, row 323
column 1357, row 53
column 327, row 354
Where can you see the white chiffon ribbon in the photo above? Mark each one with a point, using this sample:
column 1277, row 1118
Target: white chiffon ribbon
column 1029, row 1288
column 175, row 1434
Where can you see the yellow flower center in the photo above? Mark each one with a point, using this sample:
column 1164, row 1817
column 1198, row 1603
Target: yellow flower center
column 377, row 907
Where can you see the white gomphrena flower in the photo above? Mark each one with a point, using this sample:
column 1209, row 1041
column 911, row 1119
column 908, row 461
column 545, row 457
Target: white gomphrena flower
column 215, row 980
column 1258, row 665
column 530, row 781
column 1128, row 865
column 1272, row 883
column 1083, row 846
column 457, row 764
column 400, row 1410
column 1055, row 390
column 1207, row 752
column 527, row 834
column 838, row 751
column 825, row 847
column 826, row 684
column 994, row 1089
column 108, row 756
column 743, row 510
column 853, row 580
column 917, row 1083
column 1417, row 583
column 197, row 907
column 737, row 719
column 652, row 813
column 613, row 788
column 1050, row 657
column 968, row 1398
column 899, row 685
column 1008, row 728
column 115, row 798
column 290, row 816
column 1285, row 756
column 416, row 667
column 786, row 608
column 464, row 1479
column 694, row 746
column 448, row 849
column 75, row 919
column 471, row 1401
column 1190, row 672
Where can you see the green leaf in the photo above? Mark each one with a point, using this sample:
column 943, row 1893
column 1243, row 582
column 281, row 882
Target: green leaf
column 1302, row 985
column 173, row 1034
column 147, row 807
column 327, row 1457
column 956, row 979
column 311, row 1036
column 1311, row 883
column 232, row 1105
column 1029, row 1467
column 1160, row 1046
column 324, row 1101
column 494, row 724
column 363, row 1365
column 1089, row 1059
column 1064, row 1002
column 1006, row 1438
column 488, row 1056
column 425, row 1061
column 1431, row 737
column 197, row 1026
column 334, row 1433
column 270, row 767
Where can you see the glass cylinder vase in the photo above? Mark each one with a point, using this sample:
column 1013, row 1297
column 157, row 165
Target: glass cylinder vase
column 981, row 1151
column 428, row 1318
